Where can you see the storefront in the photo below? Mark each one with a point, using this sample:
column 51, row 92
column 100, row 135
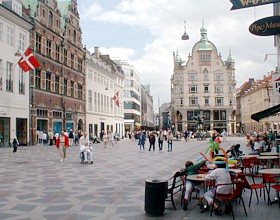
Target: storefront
column 4, row 132
column 21, row 131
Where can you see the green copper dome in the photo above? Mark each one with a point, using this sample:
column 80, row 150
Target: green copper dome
column 204, row 44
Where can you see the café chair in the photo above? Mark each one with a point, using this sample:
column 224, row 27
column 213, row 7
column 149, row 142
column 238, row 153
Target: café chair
column 251, row 164
column 269, row 179
column 237, row 194
column 251, row 187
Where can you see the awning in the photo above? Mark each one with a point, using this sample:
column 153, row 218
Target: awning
column 265, row 113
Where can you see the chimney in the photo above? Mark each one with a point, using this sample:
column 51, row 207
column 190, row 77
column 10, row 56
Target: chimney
column 96, row 52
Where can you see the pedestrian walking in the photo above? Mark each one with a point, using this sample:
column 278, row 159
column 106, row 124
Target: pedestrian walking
column 142, row 139
column 110, row 138
column 152, row 140
column 51, row 137
column 71, row 138
column 160, row 140
column 105, row 139
column 15, row 144
column 170, row 138
column 62, row 143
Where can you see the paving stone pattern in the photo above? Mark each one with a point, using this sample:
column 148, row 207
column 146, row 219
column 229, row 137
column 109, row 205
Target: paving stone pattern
column 35, row 185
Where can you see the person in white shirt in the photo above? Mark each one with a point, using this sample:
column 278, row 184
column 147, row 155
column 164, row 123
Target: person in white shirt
column 221, row 176
column 85, row 147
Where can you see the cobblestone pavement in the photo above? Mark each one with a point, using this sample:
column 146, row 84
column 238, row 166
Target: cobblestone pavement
column 35, row 185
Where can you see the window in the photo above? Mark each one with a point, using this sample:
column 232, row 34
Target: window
column 193, row 88
column 192, row 76
column 38, row 43
column 49, row 48
column 57, row 114
column 42, row 113
column 206, row 88
column 181, row 102
column 219, row 101
column 1, row 32
column 57, row 53
column 65, row 87
column 231, row 101
column 50, row 18
column 72, row 88
column 193, row 100
column 10, row 36
column 56, row 85
column 65, row 56
column 206, row 101
column 21, row 42
column 219, row 76
column 80, row 91
column 80, row 64
column 21, row 87
column 101, row 98
column 38, row 79
column 44, row 13
column 72, row 61
column 90, row 100
column 98, row 102
column 219, row 89
column 48, row 81
column 74, row 36
column 9, row 80
column 95, row 101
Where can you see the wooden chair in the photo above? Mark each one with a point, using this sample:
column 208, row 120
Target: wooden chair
column 237, row 194
column 175, row 185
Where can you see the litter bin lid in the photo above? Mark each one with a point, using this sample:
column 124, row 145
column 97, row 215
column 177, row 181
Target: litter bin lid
column 155, row 180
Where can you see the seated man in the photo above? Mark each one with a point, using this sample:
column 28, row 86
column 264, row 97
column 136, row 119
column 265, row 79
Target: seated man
column 220, row 175
column 88, row 150
column 191, row 169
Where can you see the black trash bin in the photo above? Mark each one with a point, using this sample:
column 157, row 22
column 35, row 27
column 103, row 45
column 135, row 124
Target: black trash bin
column 155, row 194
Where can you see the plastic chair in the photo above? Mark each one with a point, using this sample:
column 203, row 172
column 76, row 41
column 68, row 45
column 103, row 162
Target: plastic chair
column 251, row 187
column 269, row 179
column 237, row 194
column 250, row 163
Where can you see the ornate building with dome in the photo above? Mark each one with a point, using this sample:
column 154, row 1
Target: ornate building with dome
column 202, row 89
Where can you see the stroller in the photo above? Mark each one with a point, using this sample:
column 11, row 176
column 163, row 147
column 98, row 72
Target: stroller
column 82, row 155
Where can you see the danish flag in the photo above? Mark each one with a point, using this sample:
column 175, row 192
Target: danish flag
column 116, row 99
column 28, row 61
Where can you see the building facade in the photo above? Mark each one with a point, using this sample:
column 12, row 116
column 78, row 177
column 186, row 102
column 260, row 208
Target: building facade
column 131, row 97
column 147, row 110
column 165, row 116
column 58, row 88
column 258, row 97
column 14, row 83
column 104, row 80
column 202, row 89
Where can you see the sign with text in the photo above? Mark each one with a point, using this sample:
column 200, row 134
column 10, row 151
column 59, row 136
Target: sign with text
column 239, row 4
column 266, row 26
column 276, row 84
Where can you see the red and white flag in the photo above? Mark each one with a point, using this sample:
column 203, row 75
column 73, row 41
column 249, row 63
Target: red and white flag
column 28, row 61
column 116, row 99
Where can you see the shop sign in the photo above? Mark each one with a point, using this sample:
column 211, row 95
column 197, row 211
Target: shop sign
column 276, row 84
column 266, row 26
column 239, row 4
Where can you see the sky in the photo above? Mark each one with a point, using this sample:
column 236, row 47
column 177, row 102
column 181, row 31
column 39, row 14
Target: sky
column 147, row 32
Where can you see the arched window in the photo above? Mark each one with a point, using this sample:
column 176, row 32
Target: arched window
column 74, row 35
column 50, row 18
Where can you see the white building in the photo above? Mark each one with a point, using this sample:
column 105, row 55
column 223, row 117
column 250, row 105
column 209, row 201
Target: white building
column 131, row 96
column 104, row 79
column 147, row 110
column 202, row 87
column 14, row 83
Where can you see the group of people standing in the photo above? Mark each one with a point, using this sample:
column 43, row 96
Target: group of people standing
column 152, row 136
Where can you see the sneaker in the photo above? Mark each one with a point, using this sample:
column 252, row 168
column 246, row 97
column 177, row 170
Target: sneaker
column 185, row 204
column 61, row 160
column 91, row 162
column 64, row 159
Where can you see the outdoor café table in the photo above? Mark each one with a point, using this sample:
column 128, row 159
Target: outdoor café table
column 235, row 170
column 248, row 156
column 269, row 154
column 198, row 178
column 268, row 158
column 273, row 171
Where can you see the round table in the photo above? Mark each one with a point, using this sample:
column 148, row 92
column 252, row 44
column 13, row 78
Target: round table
column 196, row 177
column 235, row 170
column 269, row 154
column 275, row 171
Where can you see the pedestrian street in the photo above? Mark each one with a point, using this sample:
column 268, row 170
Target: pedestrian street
column 35, row 185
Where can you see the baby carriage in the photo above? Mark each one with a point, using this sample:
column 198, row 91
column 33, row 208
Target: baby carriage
column 88, row 153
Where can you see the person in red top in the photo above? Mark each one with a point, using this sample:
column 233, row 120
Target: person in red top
column 62, row 143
